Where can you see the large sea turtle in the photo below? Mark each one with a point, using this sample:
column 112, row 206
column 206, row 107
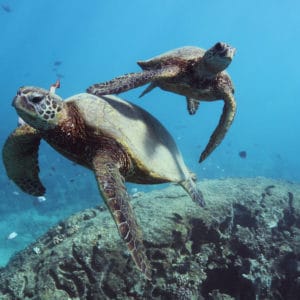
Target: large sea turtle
column 189, row 71
column 117, row 140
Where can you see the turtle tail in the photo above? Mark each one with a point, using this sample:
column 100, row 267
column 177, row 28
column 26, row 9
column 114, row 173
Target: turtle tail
column 190, row 186
column 122, row 84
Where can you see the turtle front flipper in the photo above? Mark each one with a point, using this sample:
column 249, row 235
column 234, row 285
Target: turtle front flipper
column 112, row 187
column 131, row 81
column 225, row 122
column 122, row 84
column 20, row 158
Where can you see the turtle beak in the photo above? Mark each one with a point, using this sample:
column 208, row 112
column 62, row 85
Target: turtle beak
column 16, row 99
column 227, row 51
column 22, row 106
column 15, row 102
column 18, row 103
column 230, row 52
column 21, row 102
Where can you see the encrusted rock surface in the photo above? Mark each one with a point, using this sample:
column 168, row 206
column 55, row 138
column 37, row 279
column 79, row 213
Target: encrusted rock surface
column 245, row 244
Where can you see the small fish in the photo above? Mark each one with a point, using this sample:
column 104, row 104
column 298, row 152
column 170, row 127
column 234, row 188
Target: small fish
column 243, row 154
column 12, row 235
column 6, row 8
column 57, row 63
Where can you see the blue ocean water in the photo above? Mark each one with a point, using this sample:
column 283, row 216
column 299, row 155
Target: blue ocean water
column 84, row 42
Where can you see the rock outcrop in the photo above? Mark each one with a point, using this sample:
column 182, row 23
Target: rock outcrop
column 245, row 244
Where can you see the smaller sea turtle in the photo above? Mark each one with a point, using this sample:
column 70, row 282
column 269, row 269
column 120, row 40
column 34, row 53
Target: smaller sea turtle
column 189, row 71
column 117, row 140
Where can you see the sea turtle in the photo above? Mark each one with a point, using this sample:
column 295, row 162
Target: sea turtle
column 189, row 71
column 117, row 140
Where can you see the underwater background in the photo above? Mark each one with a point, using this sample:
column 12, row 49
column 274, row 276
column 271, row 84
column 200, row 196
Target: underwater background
column 84, row 42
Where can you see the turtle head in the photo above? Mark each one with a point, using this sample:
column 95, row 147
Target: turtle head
column 38, row 107
column 218, row 57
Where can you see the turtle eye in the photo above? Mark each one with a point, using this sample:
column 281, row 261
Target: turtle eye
column 36, row 99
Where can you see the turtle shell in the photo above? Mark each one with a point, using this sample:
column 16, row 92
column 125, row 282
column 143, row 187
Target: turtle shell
column 150, row 146
column 183, row 55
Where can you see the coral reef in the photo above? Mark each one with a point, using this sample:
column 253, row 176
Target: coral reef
column 245, row 244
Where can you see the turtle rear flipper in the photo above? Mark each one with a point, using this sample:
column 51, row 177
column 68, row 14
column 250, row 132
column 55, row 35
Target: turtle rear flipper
column 148, row 89
column 113, row 190
column 190, row 186
column 131, row 81
column 20, row 158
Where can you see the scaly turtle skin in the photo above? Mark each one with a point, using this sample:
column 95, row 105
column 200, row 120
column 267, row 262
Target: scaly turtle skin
column 117, row 140
column 189, row 71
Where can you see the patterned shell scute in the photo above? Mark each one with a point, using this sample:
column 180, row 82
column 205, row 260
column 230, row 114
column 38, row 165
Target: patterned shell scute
column 188, row 53
column 142, row 136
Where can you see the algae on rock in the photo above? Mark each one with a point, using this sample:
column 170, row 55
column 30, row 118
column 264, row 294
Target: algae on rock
column 243, row 245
